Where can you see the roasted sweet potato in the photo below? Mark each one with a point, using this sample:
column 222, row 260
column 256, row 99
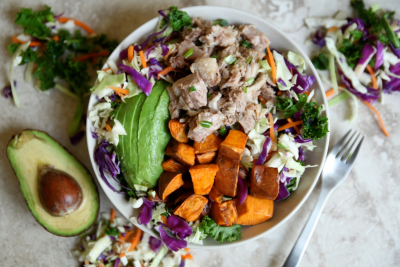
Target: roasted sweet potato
column 206, row 157
column 242, row 171
column 254, row 210
column 264, row 182
column 210, row 144
column 180, row 152
column 233, row 145
column 203, row 177
column 191, row 208
column 168, row 183
column 225, row 213
column 226, row 178
column 171, row 165
column 178, row 131
column 156, row 198
column 215, row 195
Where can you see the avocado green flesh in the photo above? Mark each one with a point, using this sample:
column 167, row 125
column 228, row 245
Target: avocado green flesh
column 141, row 151
column 26, row 153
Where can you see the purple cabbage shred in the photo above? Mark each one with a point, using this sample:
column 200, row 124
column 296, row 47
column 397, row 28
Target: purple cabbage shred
column 155, row 244
column 169, row 240
column 179, row 226
column 146, row 212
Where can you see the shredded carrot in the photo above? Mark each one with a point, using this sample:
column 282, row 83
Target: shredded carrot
column 77, row 23
column 94, row 60
column 86, row 262
column 295, row 127
column 272, row 130
column 279, row 93
column 307, row 93
column 166, row 56
column 187, row 257
column 118, row 100
column 142, row 58
column 333, row 28
column 119, row 90
column 187, row 249
column 130, row 53
column 16, row 40
column 90, row 55
column 373, row 78
column 165, row 71
column 56, row 38
column 329, row 93
column 262, row 99
column 379, row 117
column 122, row 255
column 164, row 220
column 272, row 64
column 289, row 125
column 112, row 215
column 135, row 239
column 106, row 69
column 108, row 127
column 122, row 239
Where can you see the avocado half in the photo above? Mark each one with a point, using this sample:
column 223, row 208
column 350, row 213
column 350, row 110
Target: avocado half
column 32, row 149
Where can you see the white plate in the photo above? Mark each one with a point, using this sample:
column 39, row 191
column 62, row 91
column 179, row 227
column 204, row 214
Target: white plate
column 283, row 209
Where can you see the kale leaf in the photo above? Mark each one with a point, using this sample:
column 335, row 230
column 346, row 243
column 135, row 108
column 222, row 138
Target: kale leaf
column 34, row 22
column 111, row 230
column 283, row 103
column 12, row 48
column 321, row 62
column 28, row 56
column 352, row 51
column 220, row 233
column 286, row 105
column 291, row 185
column 177, row 18
column 356, row 34
column 370, row 18
column 384, row 39
column 315, row 126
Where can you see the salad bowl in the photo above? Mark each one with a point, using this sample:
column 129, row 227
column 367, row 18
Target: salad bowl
column 284, row 209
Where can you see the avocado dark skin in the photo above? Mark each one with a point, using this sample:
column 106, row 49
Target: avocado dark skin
column 66, row 180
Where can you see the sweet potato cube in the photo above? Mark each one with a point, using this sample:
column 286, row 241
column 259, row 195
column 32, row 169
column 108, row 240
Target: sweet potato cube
column 210, row 144
column 254, row 210
column 171, row 165
column 226, row 178
column 215, row 195
column 206, row 157
column 224, row 213
column 264, row 182
column 233, row 145
column 242, row 171
column 191, row 208
column 203, row 177
column 168, row 183
column 178, row 131
column 180, row 152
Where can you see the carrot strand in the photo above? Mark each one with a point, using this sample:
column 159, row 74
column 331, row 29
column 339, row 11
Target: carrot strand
column 379, row 117
column 187, row 257
column 16, row 40
column 279, row 93
column 135, row 239
column 91, row 55
column 333, row 28
column 272, row 130
column 272, row 64
column 119, row 90
column 143, row 59
column 77, row 23
column 329, row 93
column 289, row 125
column 295, row 127
column 166, row 56
column 112, row 215
column 373, row 78
column 130, row 53
column 108, row 127
column 165, row 71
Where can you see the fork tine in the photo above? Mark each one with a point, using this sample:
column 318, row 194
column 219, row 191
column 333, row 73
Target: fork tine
column 339, row 144
column 353, row 157
column 351, row 147
column 345, row 146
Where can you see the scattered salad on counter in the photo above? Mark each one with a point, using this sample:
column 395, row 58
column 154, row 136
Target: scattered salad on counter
column 115, row 242
column 55, row 49
column 362, row 55
column 241, row 116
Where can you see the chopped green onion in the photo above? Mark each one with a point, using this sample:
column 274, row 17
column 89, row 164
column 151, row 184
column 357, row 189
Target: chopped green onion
column 332, row 70
column 375, row 7
column 246, row 44
column 188, row 53
column 337, row 99
column 264, row 64
column 222, row 130
column 248, row 60
column 389, row 30
column 230, row 59
column 192, row 89
column 222, row 22
column 206, row 124
column 217, row 56
column 245, row 89
column 251, row 80
column 208, row 95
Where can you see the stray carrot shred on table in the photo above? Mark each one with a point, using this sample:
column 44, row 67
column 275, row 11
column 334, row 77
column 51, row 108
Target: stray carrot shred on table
column 77, row 23
column 373, row 78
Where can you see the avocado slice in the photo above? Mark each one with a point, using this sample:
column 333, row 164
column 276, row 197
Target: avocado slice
column 32, row 149
column 142, row 150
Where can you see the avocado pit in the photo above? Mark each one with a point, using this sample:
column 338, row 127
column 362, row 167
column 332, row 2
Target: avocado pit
column 59, row 193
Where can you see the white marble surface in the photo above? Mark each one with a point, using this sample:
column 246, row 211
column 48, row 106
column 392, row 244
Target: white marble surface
column 359, row 226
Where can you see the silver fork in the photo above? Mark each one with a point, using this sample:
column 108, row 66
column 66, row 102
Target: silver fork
column 338, row 164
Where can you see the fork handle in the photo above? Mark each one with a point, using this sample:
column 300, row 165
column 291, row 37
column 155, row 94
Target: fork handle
column 300, row 246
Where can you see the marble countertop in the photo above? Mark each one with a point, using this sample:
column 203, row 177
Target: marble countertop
column 359, row 225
